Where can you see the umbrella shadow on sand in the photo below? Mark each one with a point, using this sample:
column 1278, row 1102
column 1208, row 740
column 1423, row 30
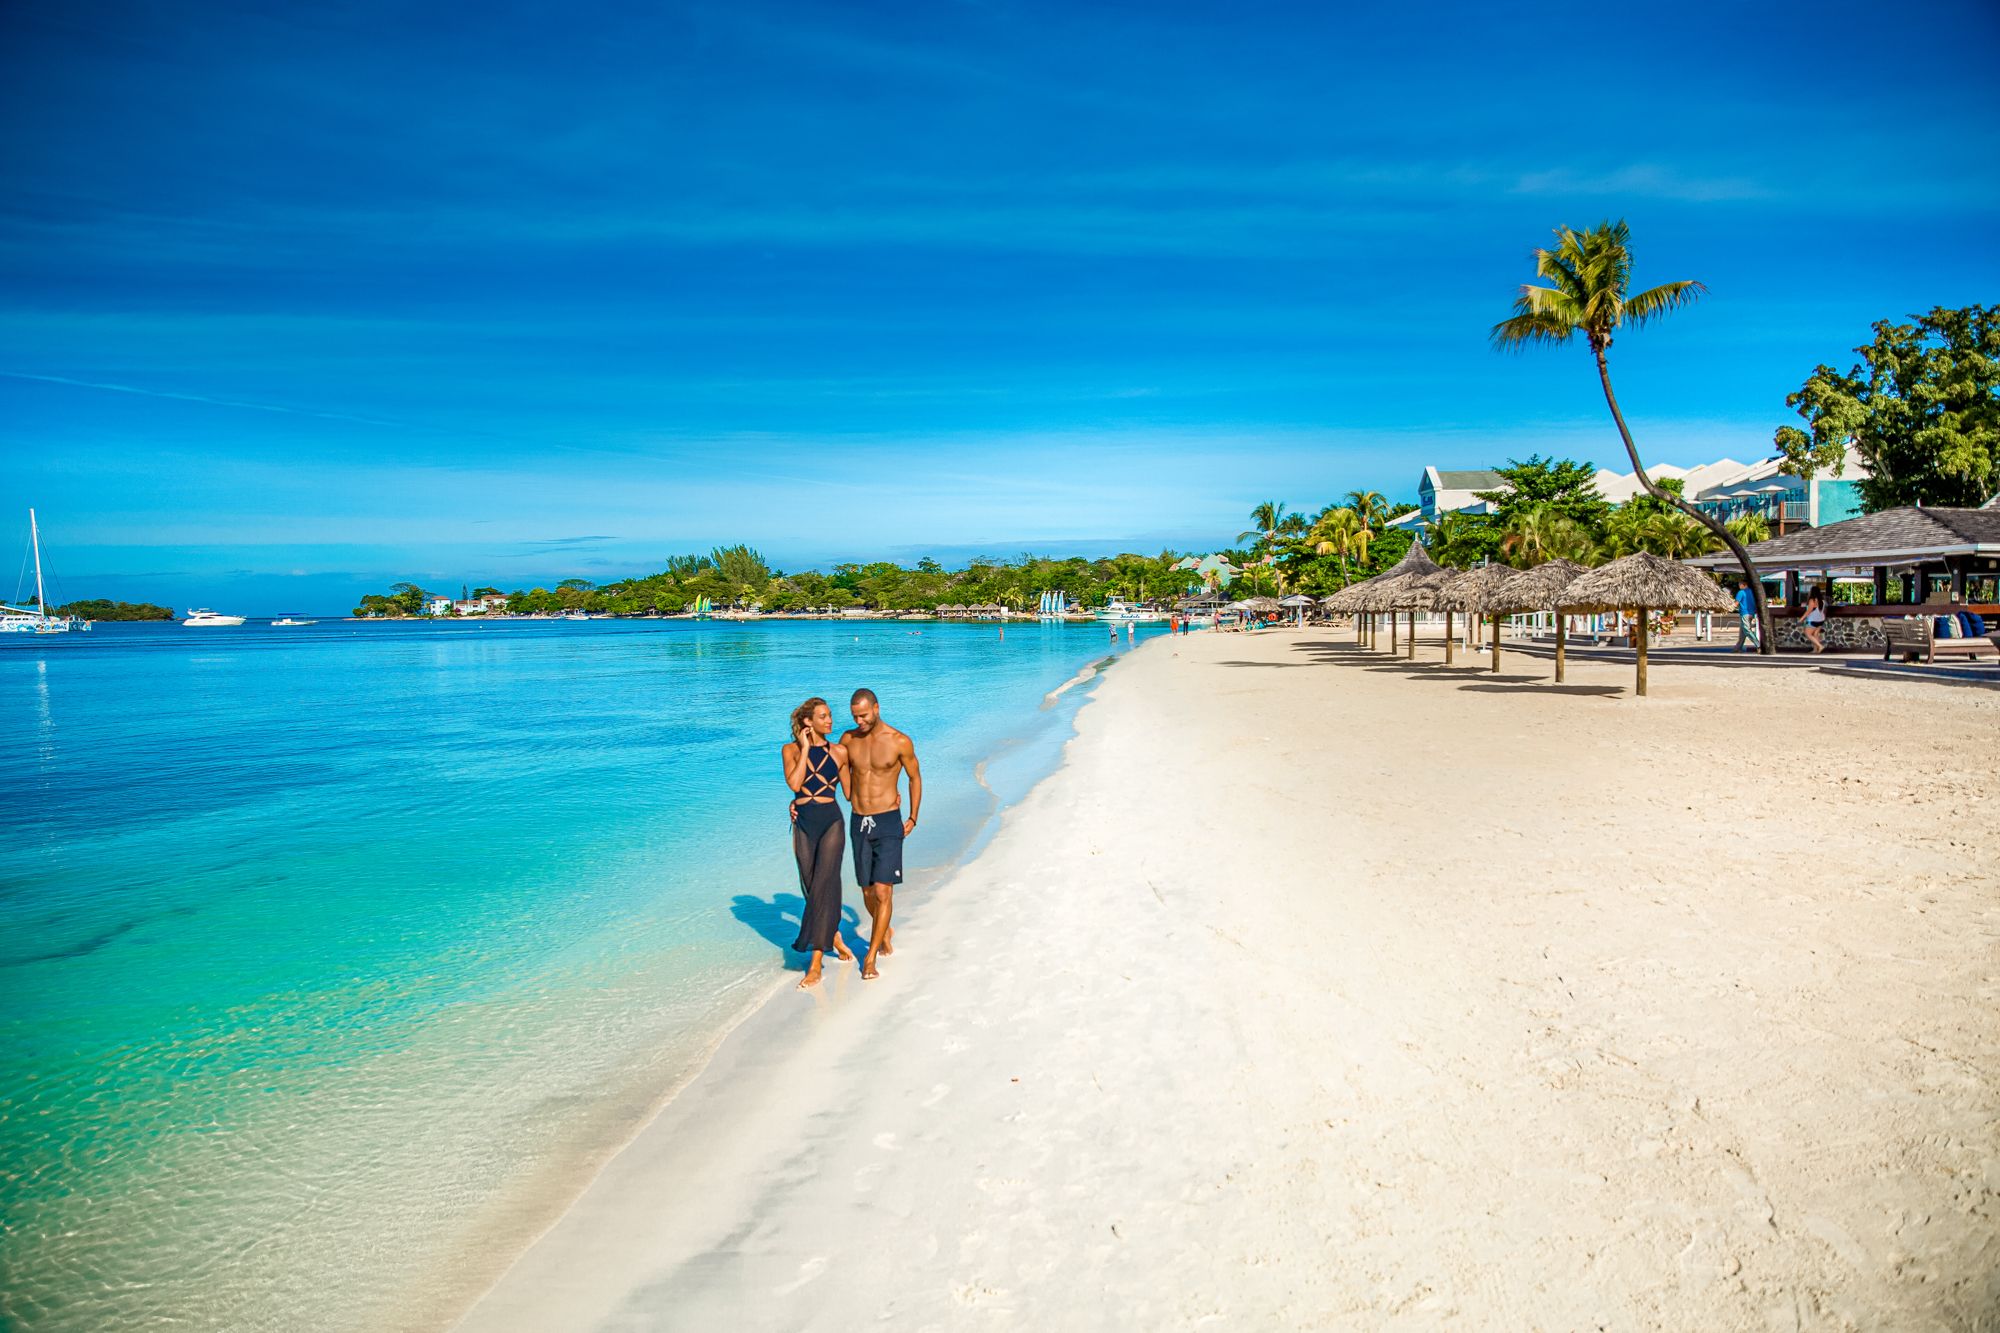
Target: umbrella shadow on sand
column 777, row 920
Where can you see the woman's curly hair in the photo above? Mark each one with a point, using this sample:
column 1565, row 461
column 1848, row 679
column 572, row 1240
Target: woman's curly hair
column 804, row 711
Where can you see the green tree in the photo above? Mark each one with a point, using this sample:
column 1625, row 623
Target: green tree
column 408, row 596
column 1563, row 486
column 1342, row 533
column 1589, row 274
column 1542, row 531
column 1372, row 507
column 1464, row 539
column 1750, row 529
column 1922, row 409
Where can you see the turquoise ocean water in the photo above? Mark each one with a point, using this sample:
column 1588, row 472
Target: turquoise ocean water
column 333, row 958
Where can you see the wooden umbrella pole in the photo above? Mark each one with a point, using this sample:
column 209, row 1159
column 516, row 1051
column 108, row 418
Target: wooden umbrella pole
column 1413, row 636
column 1642, row 652
column 1496, row 641
column 1559, row 646
column 1392, row 634
column 1447, row 638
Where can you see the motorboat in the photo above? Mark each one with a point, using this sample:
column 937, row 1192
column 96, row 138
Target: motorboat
column 36, row 619
column 203, row 616
column 1120, row 612
column 291, row 620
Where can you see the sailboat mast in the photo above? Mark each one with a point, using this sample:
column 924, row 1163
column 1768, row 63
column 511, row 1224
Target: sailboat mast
column 35, row 536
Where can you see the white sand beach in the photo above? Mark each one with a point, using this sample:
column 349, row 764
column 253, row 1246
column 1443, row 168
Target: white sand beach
column 1320, row 991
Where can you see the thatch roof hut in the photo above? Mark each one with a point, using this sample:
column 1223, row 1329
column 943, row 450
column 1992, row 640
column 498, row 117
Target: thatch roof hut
column 1471, row 591
column 1543, row 588
column 1376, row 595
column 1642, row 583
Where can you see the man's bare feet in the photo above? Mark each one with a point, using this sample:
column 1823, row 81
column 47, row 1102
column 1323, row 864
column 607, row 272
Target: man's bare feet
column 889, row 940
column 868, row 972
column 811, row 978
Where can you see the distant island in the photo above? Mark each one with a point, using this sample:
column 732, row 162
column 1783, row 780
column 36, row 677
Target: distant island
column 100, row 609
column 737, row 576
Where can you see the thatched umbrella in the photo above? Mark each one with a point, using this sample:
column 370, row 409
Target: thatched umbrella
column 1470, row 592
column 1262, row 603
column 1543, row 589
column 1642, row 583
column 1381, row 590
column 1410, row 594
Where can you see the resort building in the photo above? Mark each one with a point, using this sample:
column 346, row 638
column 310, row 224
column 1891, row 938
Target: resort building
column 1878, row 567
column 1725, row 488
column 1440, row 493
column 438, row 606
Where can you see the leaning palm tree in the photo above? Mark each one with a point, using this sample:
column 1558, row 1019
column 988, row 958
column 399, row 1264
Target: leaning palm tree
column 1589, row 273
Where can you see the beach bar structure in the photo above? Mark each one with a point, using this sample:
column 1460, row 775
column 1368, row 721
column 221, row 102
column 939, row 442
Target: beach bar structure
column 1910, row 557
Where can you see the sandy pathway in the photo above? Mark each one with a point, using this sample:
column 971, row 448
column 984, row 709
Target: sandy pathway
column 1318, row 991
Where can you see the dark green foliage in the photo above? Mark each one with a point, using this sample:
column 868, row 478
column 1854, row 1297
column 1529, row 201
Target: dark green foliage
column 97, row 608
column 1562, row 484
column 1922, row 409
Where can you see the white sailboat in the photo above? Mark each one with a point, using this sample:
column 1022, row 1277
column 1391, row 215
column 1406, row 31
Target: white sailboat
column 21, row 620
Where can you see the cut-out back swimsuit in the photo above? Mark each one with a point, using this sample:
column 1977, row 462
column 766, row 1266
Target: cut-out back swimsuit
column 819, row 842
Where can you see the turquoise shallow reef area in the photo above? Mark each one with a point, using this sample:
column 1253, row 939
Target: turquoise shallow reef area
column 334, row 957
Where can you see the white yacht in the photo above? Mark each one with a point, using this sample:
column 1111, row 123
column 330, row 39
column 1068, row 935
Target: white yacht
column 1119, row 611
column 37, row 620
column 203, row 616
column 293, row 620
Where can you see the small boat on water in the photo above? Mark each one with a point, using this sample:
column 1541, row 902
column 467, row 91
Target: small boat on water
column 24, row 620
column 1119, row 612
column 290, row 620
column 203, row 616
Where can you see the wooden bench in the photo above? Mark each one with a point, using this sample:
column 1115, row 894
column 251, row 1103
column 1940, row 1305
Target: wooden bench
column 1915, row 635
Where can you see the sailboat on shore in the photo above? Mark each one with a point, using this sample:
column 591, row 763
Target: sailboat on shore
column 22, row 620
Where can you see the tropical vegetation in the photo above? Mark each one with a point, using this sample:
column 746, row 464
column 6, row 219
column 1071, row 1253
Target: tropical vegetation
column 97, row 608
column 1589, row 275
column 1921, row 409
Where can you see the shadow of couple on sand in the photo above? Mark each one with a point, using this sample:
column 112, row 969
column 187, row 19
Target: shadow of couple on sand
column 777, row 920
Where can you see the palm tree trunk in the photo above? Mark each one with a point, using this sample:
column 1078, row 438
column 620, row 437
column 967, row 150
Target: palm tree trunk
column 1765, row 642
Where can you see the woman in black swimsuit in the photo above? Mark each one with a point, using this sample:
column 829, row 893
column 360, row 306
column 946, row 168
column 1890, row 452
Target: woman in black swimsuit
column 815, row 769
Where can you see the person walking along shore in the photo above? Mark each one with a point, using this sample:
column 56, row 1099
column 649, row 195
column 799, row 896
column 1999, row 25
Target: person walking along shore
column 814, row 769
column 878, row 756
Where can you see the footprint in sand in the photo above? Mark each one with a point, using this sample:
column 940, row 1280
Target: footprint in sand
column 808, row 1270
column 886, row 1142
column 938, row 1093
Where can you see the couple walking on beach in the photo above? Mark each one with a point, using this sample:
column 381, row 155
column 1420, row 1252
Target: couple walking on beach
column 865, row 765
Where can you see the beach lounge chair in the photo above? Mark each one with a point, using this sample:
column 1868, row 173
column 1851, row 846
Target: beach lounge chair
column 1913, row 636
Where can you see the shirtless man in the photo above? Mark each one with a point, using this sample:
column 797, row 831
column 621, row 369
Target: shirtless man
column 877, row 756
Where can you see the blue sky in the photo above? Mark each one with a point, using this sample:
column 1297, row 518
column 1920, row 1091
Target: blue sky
column 303, row 299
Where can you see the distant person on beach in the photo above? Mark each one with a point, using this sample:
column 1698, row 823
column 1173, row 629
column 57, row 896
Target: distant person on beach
column 814, row 768
column 1746, row 619
column 1815, row 620
column 878, row 755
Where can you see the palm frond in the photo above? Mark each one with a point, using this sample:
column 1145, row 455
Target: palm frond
column 1522, row 331
column 1657, row 301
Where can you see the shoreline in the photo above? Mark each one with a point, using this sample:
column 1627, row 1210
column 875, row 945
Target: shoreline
column 1373, row 991
column 435, row 1301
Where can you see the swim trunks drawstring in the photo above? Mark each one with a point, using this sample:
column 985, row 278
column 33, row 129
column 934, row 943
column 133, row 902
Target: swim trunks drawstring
column 867, row 823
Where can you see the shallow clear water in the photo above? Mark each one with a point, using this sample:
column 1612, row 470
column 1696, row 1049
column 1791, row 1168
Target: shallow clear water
column 333, row 957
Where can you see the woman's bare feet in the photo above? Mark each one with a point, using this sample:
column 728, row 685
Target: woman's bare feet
column 841, row 951
column 811, row 978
